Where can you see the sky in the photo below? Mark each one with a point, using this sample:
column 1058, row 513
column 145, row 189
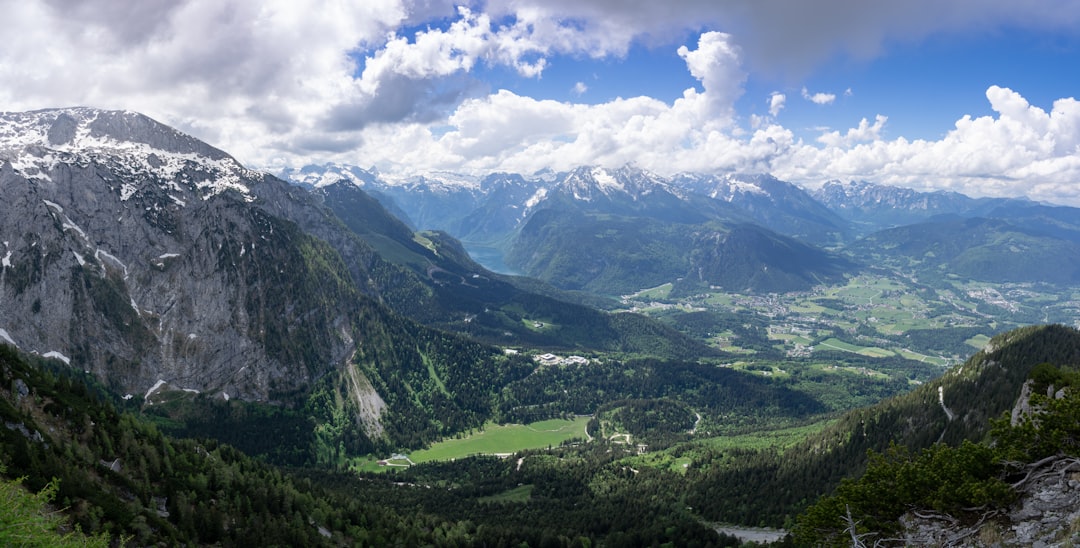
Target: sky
column 974, row 96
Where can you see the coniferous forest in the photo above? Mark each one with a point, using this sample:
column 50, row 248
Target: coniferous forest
column 68, row 444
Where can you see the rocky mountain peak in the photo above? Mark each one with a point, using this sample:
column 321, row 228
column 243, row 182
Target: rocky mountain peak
column 590, row 182
column 150, row 258
column 319, row 176
column 127, row 143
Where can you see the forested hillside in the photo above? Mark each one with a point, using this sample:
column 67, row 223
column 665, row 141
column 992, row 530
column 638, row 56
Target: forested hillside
column 118, row 477
column 1010, row 488
column 728, row 484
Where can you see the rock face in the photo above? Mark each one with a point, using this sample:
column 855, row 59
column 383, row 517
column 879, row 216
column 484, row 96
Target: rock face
column 1046, row 514
column 144, row 255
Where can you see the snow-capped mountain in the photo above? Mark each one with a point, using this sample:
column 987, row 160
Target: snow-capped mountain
column 624, row 191
column 146, row 157
column 491, row 209
column 434, row 201
column 596, row 183
column 150, row 258
column 874, row 207
column 160, row 264
column 318, row 176
column 770, row 202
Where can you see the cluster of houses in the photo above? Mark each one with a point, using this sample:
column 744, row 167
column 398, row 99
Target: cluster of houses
column 552, row 359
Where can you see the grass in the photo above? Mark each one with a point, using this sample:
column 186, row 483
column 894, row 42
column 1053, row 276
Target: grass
column 659, row 292
column 871, row 351
column 769, row 439
column 764, row 369
column 790, row 338
column 505, row 439
column 978, row 341
column 811, row 307
column 521, row 493
column 853, row 370
column 681, row 457
column 494, row 439
column 538, row 325
column 922, row 357
column 434, row 375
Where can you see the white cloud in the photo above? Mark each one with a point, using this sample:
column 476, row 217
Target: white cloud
column 1024, row 150
column 782, row 37
column 717, row 64
column 286, row 82
column 864, row 132
column 579, row 88
column 819, row 98
column 776, row 103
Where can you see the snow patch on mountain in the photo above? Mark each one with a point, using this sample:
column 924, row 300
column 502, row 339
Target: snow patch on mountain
column 57, row 355
column 536, row 198
column 736, row 187
column 34, row 144
column 153, row 389
column 65, row 222
column 116, row 263
column 606, row 181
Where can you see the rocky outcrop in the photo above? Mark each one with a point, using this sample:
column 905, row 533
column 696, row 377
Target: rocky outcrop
column 1046, row 514
column 143, row 255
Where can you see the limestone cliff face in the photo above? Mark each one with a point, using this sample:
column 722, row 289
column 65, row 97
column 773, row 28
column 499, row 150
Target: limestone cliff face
column 144, row 255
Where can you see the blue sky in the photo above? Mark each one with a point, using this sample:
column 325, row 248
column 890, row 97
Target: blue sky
column 923, row 86
column 976, row 96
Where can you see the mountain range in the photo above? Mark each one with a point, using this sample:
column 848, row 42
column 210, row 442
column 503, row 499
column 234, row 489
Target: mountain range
column 162, row 266
column 616, row 231
column 337, row 315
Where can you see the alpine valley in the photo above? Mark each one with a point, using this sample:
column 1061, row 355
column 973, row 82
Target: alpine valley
column 196, row 353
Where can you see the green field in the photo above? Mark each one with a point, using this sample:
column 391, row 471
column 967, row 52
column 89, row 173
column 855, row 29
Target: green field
column 978, row 341
column 494, row 439
column 520, row 493
column 659, row 292
column 871, row 351
column 923, row 357
column 678, row 459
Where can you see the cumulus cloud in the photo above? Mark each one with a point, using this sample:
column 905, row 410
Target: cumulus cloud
column 579, row 88
column 819, row 98
column 286, row 82
column 776, row 103
column 717, row 64
column 1024, row 150
column 787, row 38
column 864, row 132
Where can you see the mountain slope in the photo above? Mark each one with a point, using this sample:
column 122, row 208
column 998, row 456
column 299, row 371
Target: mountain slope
column 612, row 231
column 772, row 203
column 158, row 263
column 613, row 254
column 132, row 251
column 976, row 248
column 120, row 477
column 872, row 207
column 746, row 257
column 952, row 408
column 464, row 297
column 1010, row 488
